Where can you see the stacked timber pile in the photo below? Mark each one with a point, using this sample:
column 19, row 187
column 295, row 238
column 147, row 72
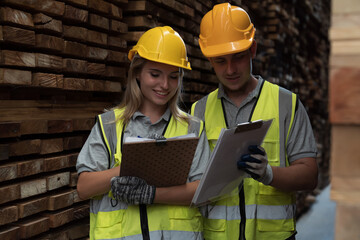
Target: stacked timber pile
column 61, row 64
column 345, row 116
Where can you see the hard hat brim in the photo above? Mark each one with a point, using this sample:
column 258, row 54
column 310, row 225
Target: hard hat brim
column 226, row 48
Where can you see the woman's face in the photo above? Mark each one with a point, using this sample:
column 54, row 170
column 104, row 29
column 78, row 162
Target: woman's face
column 158, row 83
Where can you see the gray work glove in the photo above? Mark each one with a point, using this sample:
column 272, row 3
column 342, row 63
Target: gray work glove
column 132, row 190
column 256, row 164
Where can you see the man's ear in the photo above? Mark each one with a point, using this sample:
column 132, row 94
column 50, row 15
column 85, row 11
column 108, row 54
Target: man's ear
column 253, row 49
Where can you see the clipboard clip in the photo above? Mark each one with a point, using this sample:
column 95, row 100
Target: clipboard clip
column 160, row 140
column 248, row 126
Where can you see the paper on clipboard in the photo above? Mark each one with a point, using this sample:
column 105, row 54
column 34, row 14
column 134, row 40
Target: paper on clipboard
column 221, row 175
column 162, row 163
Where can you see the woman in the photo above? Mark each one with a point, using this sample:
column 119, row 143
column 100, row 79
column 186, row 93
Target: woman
column 127, row 207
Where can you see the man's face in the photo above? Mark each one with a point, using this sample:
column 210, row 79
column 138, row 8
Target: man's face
column 234, row 70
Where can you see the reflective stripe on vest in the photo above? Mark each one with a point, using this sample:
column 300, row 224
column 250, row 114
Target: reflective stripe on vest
column 123, row 221
column 270, row 213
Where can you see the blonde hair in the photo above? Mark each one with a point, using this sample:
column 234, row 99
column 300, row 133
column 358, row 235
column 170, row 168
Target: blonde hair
column 133, row 96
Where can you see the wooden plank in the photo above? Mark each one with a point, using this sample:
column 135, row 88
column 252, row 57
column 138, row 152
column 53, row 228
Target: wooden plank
column 10, row 232
column 96, row 68
column 25, row 147
column 117, row 42
column 343, row 94
column 72, row 159
column 81, row 3
column 76, row 14
column 32, row 188
column 345, row 6
column 14, row 16
column 345, row 183
column 74, row 66
column 48, row 42
column 75, row 33
column 55, row 163
column 344, row 149
column 345, row 47
column 83, row 124
column 59, row 126
column 118, row 27
column 75, row 49
column 31, row 207
column 115, row 11
column 9, row 129
column 98, row 21
column 116, row 72
column 117, row 57
column 61, row 217
column 4, row 151
column 111, row 86
column 79, row 230
column 99, row 6
column 73, row 179
column 48, row 61
column 16, row 58
column 14, row 76
column 97, row 37
column 9, row 193
column 33, row 126
column 61, row 200
column 74, row 84
column 347, row 217
column 81, row 211
column 30, row 167
column 18, row 36
column 73, row 142
column 11, row 213
column 48, row 80
column 95, row 85
column 97, row 53
column 33, row 227
column 46, row 23
column 51, row 145
column 57, row 180
column 337, row 61
column 8, row 172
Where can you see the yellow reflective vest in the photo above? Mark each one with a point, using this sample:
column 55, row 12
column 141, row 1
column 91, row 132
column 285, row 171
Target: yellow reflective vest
column 263, row 211
column 124, row 221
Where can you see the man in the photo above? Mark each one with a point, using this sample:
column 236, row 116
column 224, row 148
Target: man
column 264, row 206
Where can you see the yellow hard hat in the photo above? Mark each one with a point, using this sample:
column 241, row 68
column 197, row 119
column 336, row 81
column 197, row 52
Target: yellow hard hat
column 225, row 30
column 162, row 44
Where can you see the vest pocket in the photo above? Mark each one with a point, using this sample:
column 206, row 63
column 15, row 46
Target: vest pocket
column 109, row 225
column 185, row 218
column 213, row 222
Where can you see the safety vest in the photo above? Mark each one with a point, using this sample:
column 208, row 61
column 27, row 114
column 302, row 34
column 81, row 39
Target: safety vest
column 125, row 221
column 269, row 212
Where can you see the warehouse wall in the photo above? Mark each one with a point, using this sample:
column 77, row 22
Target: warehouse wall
column 62, row 62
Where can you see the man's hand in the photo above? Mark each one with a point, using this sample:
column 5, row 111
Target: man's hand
column 132, row 190
column 256, row 164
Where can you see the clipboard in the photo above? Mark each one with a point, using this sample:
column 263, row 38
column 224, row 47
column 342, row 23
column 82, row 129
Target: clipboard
column 162, row 163
column 221, row 175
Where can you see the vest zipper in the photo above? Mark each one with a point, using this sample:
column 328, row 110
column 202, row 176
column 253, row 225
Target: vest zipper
column 144, row 222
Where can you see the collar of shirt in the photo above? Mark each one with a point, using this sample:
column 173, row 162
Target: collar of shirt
column 253, row 94
column 166, row 116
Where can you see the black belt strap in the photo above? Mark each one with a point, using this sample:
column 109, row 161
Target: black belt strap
column 144, row 222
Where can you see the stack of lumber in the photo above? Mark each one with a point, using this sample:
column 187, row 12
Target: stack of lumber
column 61, row 64
column 345, row 116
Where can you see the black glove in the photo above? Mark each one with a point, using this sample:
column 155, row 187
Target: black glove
column 132, row 190
column 256, row 164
